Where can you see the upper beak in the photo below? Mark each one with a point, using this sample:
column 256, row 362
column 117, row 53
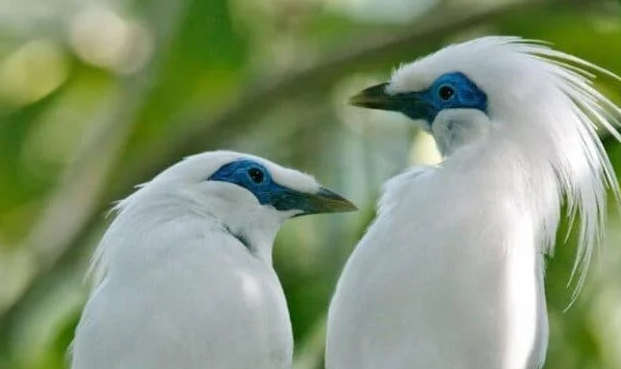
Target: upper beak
column 375, row 97
column 325, row 201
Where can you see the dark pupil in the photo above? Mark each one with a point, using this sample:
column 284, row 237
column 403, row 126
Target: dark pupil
column 446, row 92
column 256, row 175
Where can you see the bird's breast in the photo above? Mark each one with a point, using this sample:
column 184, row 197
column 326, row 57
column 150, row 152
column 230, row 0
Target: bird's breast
column 203, row 306
column 443, row 279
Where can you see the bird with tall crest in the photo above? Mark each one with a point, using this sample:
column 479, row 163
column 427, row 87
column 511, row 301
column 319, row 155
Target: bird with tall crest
column 450, row 275
column 185, row 276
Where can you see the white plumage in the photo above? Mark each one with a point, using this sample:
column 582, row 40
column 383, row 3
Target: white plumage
column 185, row 270
column 450, row 274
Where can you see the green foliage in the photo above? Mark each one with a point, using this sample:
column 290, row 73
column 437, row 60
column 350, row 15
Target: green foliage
column 263, row 77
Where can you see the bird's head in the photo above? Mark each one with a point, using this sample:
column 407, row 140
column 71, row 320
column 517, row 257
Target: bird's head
column 464, row 92
column 249, row 196
column 529, row 106
column 449, row 105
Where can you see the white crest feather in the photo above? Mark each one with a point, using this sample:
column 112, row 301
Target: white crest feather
column 584, row 179
column 561, row 122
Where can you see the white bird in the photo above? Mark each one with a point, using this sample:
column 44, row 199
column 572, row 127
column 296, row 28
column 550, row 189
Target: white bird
column 451, row 273
column 185, row 270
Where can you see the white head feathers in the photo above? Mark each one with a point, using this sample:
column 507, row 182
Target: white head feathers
column 543, row 101
column 246, row 196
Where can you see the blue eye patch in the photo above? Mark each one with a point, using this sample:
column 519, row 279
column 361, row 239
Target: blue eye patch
column 255, row 178
column 450, row 91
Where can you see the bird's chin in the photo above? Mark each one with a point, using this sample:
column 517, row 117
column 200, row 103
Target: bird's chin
column 456, row 128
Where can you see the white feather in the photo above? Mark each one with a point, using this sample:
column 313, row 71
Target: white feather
column 450, row 274
column 174, row 286
column 188, row 296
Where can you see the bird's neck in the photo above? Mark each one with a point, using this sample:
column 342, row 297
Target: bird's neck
column 504, row 170
column 142, row 240
column 256, row 229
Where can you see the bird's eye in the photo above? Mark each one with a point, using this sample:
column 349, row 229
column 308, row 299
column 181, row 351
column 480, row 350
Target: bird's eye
column 256, row 175
column 446, row 92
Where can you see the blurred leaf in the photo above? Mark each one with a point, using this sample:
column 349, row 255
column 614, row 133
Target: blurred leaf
column 202, row 67
column 16, row 185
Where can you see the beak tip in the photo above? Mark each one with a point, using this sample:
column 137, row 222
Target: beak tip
column 335, row 203
column 356, row 100
column 374, row 97
column 350, row 206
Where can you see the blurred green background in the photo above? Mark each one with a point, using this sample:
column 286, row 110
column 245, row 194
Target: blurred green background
column 98, row 95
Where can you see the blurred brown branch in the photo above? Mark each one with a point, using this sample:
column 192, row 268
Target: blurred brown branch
column 88, row 183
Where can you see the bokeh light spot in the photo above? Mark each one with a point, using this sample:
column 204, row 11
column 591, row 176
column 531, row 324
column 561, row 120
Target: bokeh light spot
column 32, row 72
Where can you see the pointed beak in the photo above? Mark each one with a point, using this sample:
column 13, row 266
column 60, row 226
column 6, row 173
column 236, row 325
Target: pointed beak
column 375, row 97
column 324, row 201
